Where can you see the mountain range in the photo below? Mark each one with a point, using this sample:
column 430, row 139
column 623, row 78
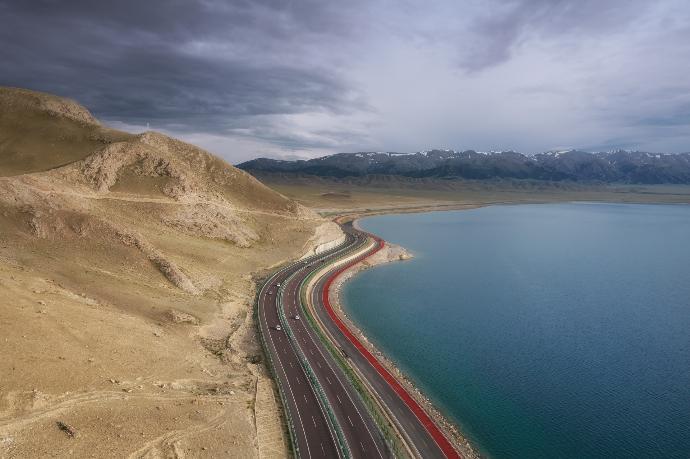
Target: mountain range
column 631, row 167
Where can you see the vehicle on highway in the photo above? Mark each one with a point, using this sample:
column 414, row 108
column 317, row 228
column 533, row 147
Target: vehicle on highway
column 278, row 327
column 296, row 317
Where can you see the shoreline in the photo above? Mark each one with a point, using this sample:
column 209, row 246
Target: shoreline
column 450, row 428
column 394, row 253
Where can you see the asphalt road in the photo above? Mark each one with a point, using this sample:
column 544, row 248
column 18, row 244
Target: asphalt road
column 326, row 414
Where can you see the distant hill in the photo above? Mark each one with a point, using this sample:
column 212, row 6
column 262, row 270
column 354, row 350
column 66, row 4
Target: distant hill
column 631, row 167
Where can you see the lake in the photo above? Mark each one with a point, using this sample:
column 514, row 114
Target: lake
column 543, row 331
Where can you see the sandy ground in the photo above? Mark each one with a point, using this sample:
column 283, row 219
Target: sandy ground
column 359, row 197
column 127, row 281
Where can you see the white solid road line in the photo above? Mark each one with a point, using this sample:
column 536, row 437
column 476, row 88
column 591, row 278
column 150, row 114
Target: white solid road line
column 294, row 344
column 284, row 294
column 346, row 393
column 287, row 381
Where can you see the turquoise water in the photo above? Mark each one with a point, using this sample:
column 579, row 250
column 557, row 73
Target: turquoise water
column 544, row 331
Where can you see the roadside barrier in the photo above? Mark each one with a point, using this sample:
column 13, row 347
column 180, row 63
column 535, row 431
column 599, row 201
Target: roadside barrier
column 431, row 427
column 281, row 390
column 318, row 389
column 271, row 364
column 373, row 406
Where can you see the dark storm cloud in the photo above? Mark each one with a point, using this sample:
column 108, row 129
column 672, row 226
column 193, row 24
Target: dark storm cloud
column 244, row 77
column 200, row 66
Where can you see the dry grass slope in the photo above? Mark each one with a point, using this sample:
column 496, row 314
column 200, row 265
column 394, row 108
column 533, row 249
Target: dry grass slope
column 126, row 268
column 39, row 132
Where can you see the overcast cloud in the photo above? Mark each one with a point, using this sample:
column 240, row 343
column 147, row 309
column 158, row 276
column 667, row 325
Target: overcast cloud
column 306, row 78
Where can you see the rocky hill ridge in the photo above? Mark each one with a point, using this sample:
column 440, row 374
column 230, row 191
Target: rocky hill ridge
column 620, row 166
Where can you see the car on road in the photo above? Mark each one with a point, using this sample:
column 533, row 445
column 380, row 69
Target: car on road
column 278, row 327
column 296, row 317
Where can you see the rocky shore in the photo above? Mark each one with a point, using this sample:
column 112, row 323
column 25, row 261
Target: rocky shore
column 393, row 253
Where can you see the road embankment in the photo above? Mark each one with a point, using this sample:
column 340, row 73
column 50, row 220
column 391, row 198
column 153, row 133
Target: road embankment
column 388, row 253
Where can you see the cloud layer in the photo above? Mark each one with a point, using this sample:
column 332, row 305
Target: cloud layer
column 251, row 78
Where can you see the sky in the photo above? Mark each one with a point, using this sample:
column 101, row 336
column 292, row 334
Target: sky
column 305, row 78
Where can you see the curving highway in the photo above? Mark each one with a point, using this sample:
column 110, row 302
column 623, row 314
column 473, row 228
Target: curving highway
column 327, row 416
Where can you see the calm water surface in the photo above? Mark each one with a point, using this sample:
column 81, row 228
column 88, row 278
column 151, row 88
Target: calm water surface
column 544, row 331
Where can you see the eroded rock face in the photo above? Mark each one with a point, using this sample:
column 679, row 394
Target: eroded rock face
column 180, row 317
column 327, row 236
column 213, row 221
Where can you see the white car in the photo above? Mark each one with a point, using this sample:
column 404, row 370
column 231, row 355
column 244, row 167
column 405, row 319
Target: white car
column 296, row 317
column 278, row 327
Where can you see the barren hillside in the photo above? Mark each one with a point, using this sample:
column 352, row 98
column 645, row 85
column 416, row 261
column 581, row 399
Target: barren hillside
column 126, row 266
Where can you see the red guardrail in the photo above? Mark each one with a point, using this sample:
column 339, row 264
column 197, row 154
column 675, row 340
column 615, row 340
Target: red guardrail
column 419, row 412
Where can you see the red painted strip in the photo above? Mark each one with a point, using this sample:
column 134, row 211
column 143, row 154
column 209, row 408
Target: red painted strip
column 424, row 418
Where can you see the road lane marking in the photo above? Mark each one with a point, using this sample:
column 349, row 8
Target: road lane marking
column 270, row 338
column 329, row 381
column 278, row 304
column 311, row 338
column 348, row 418
column 319, row 364
column 338, row 397
column 287, row 381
